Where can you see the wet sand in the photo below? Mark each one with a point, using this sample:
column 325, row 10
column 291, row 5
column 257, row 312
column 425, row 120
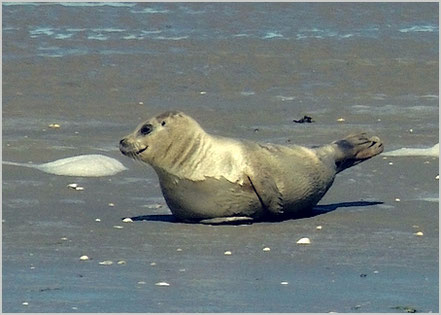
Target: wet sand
column 366, row 257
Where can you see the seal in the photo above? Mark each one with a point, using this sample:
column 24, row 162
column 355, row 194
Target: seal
column 212, row 179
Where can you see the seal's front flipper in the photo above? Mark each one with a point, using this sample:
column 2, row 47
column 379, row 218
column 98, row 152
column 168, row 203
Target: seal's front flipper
column 355, row 149
column 225, row 220
column 267, row 192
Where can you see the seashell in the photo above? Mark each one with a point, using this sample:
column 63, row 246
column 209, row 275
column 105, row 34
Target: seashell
column 437, row 177
column 111, row 204
column 397, row 199
column 118, row 227
column 97, row 220
column 304, row 241
column 121, row 262
column 106, row 263
column 127, row 220
column 266, row 249
column 25, row 303
column 227, row 253
column 284, row 282
column 341, row 119
column 84, row 258
column 54, row 126
column 419, row 233
column 141, row 282
column 318, row 227
column 73, row 186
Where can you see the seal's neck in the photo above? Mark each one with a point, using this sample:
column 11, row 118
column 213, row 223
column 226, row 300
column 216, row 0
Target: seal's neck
column 183, row 155
column 203, row 155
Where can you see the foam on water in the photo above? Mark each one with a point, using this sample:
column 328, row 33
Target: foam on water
column 48, row 31
column 95, row 4
column 430, row 199
column 270, row 35
column 72, row 4
column 92, row 165
column 138, row 37
column 288, row 24
column 171, row 38
column 108, row 30
column 97, row 37
column 432, row 151
column 63, row 36
column 420, row 28
column 150, row 11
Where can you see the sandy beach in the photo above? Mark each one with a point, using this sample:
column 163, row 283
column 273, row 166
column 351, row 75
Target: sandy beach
column 241, row 73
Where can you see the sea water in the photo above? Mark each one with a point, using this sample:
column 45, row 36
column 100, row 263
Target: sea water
column 58, row 26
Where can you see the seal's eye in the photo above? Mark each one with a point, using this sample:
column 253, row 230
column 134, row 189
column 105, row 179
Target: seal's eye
column 146, row 129
column 163, row 123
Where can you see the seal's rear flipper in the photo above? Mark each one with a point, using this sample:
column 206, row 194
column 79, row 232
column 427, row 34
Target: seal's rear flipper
column 226, row 220
column 355, row 149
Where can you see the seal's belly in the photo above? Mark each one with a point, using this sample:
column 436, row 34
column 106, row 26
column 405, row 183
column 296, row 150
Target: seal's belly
column 210, row 198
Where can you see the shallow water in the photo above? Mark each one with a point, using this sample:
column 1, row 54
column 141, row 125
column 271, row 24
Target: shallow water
column 242, row 70
column 127, row 24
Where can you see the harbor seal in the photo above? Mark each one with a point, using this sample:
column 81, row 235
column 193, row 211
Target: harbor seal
column 211, row 179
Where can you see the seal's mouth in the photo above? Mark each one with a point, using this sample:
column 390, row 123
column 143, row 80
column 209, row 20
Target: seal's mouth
column 129, row 149
column 142, row 150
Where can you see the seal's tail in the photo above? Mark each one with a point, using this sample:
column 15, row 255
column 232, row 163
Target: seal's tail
column 355, row 149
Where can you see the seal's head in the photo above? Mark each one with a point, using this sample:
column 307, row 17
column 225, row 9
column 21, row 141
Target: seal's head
column 160, row 140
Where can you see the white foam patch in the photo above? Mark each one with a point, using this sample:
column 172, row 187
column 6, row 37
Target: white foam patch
column 92, row 165
column 171, row 38
column 150, row 11
column 433, row 151
column 270, row 35
column 420, row 28
column 97, row 37
column 430, row 199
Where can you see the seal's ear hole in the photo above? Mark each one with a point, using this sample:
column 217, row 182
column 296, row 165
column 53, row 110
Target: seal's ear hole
column 163, row 123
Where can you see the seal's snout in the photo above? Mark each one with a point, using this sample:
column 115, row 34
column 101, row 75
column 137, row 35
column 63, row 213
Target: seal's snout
column 355, row 149
column 127, row 147
column 123, row 146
